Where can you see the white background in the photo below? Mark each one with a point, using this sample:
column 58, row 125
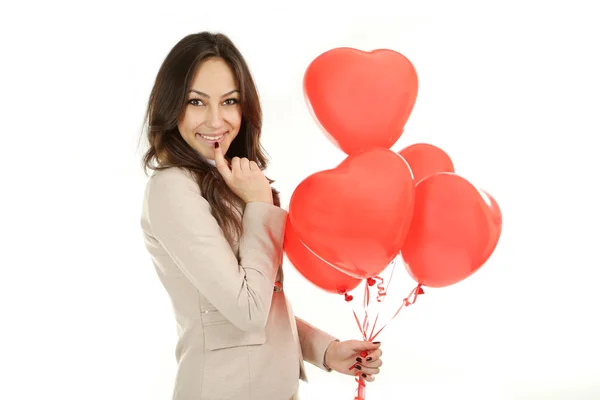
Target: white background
column 510, row 91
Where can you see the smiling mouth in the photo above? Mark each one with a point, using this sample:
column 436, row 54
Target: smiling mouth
column 212, row 138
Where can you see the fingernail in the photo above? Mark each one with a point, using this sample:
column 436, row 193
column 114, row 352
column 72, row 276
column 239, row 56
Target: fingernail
column 216, row 145
column 369, row 358
column 359, row 359
column 358, row 367
column 364, row 375
column 376, row 342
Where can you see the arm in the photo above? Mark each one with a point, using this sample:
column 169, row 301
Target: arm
column 181, row 221
column 314, row 343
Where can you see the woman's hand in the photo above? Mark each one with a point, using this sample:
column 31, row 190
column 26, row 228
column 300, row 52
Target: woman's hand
column 244, row 178
column 345, row 358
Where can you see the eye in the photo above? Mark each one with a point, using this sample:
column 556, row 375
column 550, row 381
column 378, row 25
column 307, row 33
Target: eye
column 231, row 102
column 196, row 102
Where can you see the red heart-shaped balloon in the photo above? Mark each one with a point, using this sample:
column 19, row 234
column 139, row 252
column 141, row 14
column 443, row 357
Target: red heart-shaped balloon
column 356, row 216
column 361, row 100
column 495, row 226
column 453, row 232
column 317, row 271
column 426, row 159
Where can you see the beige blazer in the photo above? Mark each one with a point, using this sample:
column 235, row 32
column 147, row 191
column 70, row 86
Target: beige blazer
column 238, row 337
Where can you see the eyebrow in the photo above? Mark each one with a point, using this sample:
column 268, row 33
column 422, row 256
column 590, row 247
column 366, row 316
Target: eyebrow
column 208, row 97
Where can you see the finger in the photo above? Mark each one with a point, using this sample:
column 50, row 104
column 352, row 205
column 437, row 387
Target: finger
column 221, row 164
column 368, row 378
column 375, row 355
column 254, row 166
column 373, row 364
column 235, row 164
column 367, row 370
column 359, row 345
column 245, row 164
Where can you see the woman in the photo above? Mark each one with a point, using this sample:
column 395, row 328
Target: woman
column 214, row 230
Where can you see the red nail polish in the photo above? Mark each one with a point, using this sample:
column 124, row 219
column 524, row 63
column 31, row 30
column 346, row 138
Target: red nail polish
column 360, row 359
column 216, row 145
column 364, row 375
column 369, row 358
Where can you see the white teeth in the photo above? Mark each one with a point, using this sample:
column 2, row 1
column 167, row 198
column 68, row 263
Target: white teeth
column 211, row 137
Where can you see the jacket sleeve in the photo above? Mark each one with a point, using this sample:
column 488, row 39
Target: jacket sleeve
column 181, row 221
column 314, row 343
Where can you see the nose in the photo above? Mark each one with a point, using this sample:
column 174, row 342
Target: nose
column 214, row 118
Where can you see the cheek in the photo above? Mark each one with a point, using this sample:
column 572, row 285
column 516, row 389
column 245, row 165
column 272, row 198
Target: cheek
column 191, row 119
column 234, row 117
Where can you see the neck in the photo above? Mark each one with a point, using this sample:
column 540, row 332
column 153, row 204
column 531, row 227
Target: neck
column 208, row 160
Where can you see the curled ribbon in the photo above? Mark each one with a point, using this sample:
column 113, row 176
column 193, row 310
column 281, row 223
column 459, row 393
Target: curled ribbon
column 360, row 391
column 381, row 291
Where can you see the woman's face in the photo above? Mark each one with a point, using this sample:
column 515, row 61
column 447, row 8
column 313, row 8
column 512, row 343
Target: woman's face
column 212, row 112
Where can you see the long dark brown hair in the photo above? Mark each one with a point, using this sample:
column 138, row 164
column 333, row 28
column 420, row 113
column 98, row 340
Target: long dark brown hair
column 166, row 106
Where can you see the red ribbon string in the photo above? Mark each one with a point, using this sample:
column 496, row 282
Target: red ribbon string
column 363, row 332
column 360, row 391
column 381, row 290
column 366, row 302
column 364, row 325
column 405, row 303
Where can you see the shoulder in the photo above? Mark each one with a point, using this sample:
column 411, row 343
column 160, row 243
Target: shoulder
column 169, row 180
column 172, row 187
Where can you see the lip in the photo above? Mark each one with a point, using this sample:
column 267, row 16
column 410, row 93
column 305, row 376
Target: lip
column 212, row 141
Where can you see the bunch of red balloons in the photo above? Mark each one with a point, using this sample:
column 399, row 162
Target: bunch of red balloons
column 350, row 222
